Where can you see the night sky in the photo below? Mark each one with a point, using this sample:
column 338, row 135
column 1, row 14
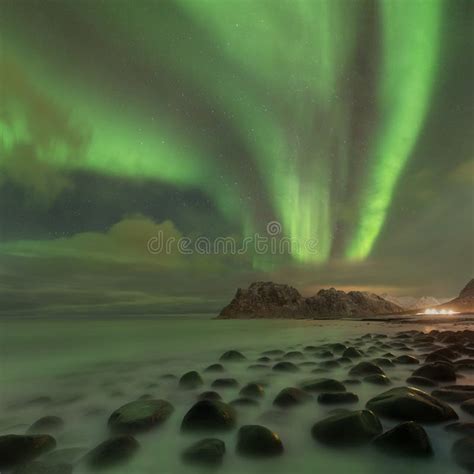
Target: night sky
column 349, row 123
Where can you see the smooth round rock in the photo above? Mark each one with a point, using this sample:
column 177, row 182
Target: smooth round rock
column 352, row 353
column 323, row 385
column 209, row 395
column 330, row 398
column 285, row 367
column 232, row 356
column 406, row 439
column 19, row 449
column 468, row 406
column 46, row 424
column 114, row 451
column 258, row 441
column 347, row 429
column 421, row 381
column 190, row 380
column 209, row 415
column 208, row 451
column 225, row 383
column 411, row 404
column 214, row 368
column 440, row 371
column 366, row 368
column 140, row 415
column 406, row 360
column 377, row 379
column 291, row 396
column 254, row 390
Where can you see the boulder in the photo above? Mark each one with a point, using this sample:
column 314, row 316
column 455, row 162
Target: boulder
column 454, row 393
column 421, row 381
column 366, row 368
column 406, row 439
column 140, row 415
column 406, row 359
column 285, row 367
column 377, row 379
column 440, row 371
column 209, row 395
column 352, row 353
column 111, row 452
column 225, row 383
column 346, row 429
column 190, row 380
column 254, row 390
column 208, row 451
column 258, row 441
column 329, row 398
column 411, row 404
column 291, row 396
column 20, row 449
column 46, row 424
column 214, row 368
column 323, row 385
column 232, row 356
column 210, row 415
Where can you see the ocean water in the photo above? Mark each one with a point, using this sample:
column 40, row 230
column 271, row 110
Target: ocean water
column 91, row 367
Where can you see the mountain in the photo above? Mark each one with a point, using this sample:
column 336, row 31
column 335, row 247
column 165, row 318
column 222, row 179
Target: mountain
column 464, row 303
column 413, row 302
column 273, row 300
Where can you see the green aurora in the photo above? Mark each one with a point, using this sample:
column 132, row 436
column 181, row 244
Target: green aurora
column 305, row 112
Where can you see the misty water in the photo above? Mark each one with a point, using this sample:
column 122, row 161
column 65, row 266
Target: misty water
column 90, row 368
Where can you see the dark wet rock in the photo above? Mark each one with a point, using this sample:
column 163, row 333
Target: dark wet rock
column 168, row 377
column 327, row 398
column 383, row 362
column 463, row 453
column 209, row 415
column 388, row 355
column 468, row 406
column 258, row 441
column 254, row 390
column 454, row 393
column 444, row 353
column 39, row 467
column 293, row 355
column 464, row 364
column 377, row 379
column 406, row 439
column 273, row 353
column 337, row 347
column 63, row 456
column 244, row 402
column 214, row 368
column 308, row 363
column 352, row 352
column 291, row 396
column 320, row 370
column 208, row 451
column 323, row 354
column 225, row 383
column 310, row 348
column 146, row 396
column 437, row 371
column 264, row 359
column 411, row 404
column 344, row 360
column 116, row 450
column 406, row 359
column 209, row 395
column 190, row 380
column 323, row 385
column 46, row 424
column 19, row 449
column 285, row 367
column 348, row 428
column 140, row 415
column 232, row 356
column 421, row 381
column 351, row 382
column 366, row 368
column 329, row 364
column 257, row 367
column 460, row 427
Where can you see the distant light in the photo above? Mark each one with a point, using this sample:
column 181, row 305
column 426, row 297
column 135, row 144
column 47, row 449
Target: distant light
column 439, row 311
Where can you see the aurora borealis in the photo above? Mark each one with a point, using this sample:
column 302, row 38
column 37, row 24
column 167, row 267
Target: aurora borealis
column 348, row 122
